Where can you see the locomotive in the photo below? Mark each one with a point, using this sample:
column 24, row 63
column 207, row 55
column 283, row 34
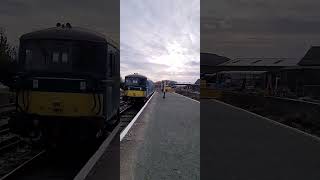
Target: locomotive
column 137, row 88
column 68, row 84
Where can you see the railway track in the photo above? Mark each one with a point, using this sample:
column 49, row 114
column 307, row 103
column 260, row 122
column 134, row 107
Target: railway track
column 6, row 109
column 7, row 140
column 13, row 151
column 26, row 160
column 128, row 112
column 6, row 105
column 128, row 115
column 61, row 164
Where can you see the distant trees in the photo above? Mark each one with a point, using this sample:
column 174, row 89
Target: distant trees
column 8, row 58
column 121, row 83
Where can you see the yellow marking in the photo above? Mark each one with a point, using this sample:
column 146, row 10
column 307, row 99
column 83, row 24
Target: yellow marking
column 135, row 93
column 169, row 89
column 210, row 93
column 203, row 83
column 61, row 104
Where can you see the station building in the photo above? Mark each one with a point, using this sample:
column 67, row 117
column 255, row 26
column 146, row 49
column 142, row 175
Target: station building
column 286, row 77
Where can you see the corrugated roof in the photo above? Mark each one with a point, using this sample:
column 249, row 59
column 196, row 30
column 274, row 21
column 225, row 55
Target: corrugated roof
column 243, row 72
column 312, row 57
column 261, row 62
column 302, row 67
column 212, row 59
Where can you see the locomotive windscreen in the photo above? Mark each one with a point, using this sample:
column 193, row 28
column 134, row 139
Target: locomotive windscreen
column 135, row 81
column 58, row 56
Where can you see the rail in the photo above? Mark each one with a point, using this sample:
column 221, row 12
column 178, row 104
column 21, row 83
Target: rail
column 31, row 165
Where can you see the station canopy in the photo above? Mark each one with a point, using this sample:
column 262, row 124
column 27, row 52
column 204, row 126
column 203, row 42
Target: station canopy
column 280, row 62
column 312, row 57
column 250, row 64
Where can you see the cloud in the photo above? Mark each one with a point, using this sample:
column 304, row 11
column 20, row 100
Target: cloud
column 158, row 38
column 19, row 16
column 161, row 39
column 250, row 28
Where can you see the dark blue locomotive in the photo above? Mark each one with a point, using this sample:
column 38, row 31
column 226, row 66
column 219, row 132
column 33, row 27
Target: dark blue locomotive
column 137, row 87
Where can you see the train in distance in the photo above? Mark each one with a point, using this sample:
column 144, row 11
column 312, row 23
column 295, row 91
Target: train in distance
column 137, row 88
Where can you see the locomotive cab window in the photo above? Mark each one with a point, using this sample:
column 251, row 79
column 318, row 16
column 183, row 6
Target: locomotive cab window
column 110, row 65
column 116, row 69
column 55, row 57
column 28, row 56
column 134, row 81
column 64, row 58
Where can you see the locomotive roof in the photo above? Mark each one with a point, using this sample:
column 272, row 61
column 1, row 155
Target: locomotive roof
column 137, row 75
column 73, row 33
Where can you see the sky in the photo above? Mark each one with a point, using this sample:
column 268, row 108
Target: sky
column 19, row 16
column 259, row 28
column 160, row 39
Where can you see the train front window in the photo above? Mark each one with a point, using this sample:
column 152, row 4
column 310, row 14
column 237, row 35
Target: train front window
column 110, row 65
column 58, row 55
column 89, row 57
column 135, row 81
column 64, row 58
column 28, row 56
column 132, row 81
column 55, row 57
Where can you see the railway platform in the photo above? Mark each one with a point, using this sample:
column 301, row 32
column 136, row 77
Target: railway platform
column 163, row 143
column 246, row 146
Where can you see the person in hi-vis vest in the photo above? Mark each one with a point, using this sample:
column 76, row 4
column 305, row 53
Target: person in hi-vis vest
column 164, row 89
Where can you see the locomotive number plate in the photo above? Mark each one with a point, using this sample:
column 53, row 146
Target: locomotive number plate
column 57, row 106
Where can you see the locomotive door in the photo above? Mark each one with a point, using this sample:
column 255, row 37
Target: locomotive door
column 109, row 101
column 109, row 94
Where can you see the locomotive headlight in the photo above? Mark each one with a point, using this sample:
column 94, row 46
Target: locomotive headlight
column 83, row 85
column 140, row 89
column 35, row 83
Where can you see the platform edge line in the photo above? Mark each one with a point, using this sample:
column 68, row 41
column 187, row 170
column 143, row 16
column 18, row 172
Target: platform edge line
column 187, row 97
column 269, row 120
column 85, row 170
column 126, row 130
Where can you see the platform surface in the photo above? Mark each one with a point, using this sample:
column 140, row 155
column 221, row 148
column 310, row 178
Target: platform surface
column 237, row 145
column 164, row 142
column 108, row 165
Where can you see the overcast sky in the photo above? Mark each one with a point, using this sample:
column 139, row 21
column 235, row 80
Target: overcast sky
column 161, row 39
column 259, row 28
column 21, row 16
